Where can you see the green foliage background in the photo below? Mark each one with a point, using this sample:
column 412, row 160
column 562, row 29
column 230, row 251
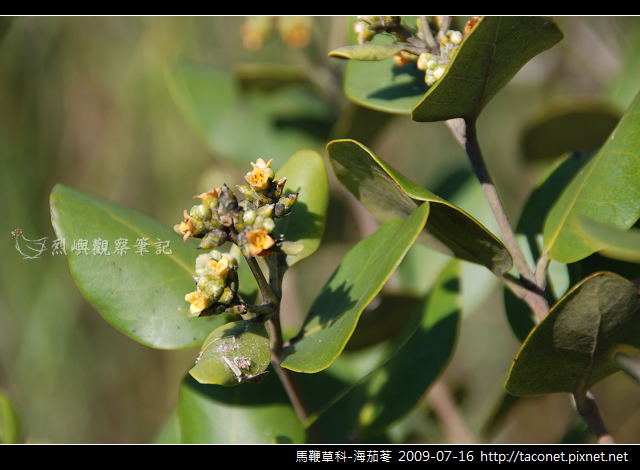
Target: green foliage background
column 86, row 102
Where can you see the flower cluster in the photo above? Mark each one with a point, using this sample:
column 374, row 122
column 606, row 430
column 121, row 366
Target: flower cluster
column 433, row 61
column 435, row 65
column 249, row 224
column 217, row 285
column 368, row 26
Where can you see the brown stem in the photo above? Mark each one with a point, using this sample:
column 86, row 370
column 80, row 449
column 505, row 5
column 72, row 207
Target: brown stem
column 465, row 132
column 449, row 416
column 585, row 404
column 267, row 294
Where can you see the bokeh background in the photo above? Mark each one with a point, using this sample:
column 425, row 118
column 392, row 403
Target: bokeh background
column 91, row 102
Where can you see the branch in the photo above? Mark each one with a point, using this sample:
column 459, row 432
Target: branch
column 466, row 134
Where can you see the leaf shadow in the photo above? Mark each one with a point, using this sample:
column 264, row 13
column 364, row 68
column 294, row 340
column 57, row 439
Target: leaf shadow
column 415, row 87
column 300, row 223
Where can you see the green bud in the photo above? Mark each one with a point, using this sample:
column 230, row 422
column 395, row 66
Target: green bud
column 202, row 281
column 213, row 239
column 202, row 268
column 227, row 203
column 239, row 309
column 261, row 201
column 265, row 211
column 439, row 72
column 214, row 288
column 455, row 37
column 268, row 224
column 279, row 187
column 247, row 191
column 227, row 296
column 249, row 217
column 284, row 205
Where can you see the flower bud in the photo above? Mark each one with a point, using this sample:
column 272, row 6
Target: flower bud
column 404, row 58
column 227, row 296
column 268, row 224
column 249, row 217
column 439, row 72
column 247, row 191
column 284, row 206
column 227, row 203
column 209, row 198
column 455, row 37
column 213, row 239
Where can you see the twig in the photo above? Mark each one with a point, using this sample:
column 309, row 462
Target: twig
column 466, row 134
column 267, row 294
column 449, row 416
column 427, row 36
column 585, row 404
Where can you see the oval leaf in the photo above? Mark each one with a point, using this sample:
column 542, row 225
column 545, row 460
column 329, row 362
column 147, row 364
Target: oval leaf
column 367, row 51
column 307, row 176
column 358, row 279
column 233, row 353
column 253, row 414
column 488, row 58
column 387, row 194
column 573, row 347
column 140, row 294
column 606, row 191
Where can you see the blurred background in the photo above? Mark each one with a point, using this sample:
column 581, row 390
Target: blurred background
column 103, row 104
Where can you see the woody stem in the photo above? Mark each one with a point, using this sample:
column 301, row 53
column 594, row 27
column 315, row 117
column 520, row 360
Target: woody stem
column 267, row 294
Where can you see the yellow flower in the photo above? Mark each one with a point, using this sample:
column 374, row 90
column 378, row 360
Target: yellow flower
column 199, row 301
column 187, row 227
column 259, row 241
column 259, row 178
column 209, row 195
column 219, row 268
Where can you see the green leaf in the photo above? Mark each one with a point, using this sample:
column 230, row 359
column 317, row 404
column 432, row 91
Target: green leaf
column 617, row 244
column 568, row 126
column 358, row 279
column 141, row 295
column 367, row 51
column 233, row 353
column 170, row 431
column 376, row 324
column 252, row 414
column 421, row 267
column 10, row 432
column 387, row 194
column 488, row 58
column 606, row 191
column 307, row 176
column 573, row 347
column 422, row 353
column 529, row 233
column 380, row 85
column 257, row 123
